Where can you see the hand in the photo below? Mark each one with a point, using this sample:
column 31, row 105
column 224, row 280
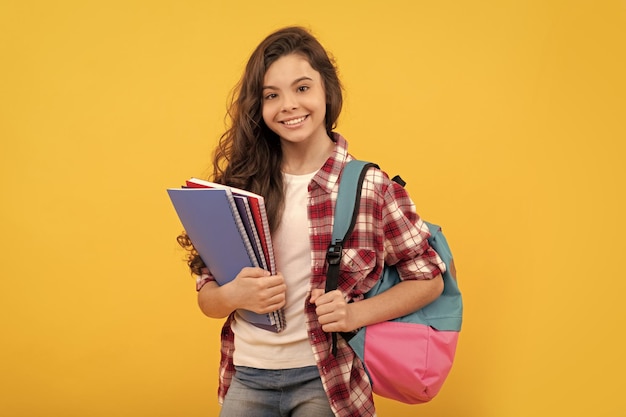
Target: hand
column 333, row 312
column 256, row 290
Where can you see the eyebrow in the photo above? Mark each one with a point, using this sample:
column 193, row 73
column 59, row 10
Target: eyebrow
column 298, row 80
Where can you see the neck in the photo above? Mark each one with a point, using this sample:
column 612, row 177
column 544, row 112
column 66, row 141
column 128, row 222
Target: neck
column 300, row 159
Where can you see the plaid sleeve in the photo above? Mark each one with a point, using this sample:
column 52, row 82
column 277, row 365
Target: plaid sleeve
column 201, row 280
column 406, row 237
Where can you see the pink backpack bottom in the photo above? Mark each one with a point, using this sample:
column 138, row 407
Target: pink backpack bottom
column 390, row 346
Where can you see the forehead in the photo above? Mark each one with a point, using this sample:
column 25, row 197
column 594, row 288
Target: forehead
column 289, row 68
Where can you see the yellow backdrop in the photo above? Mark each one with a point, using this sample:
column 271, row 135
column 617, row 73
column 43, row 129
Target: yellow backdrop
column 507, row 118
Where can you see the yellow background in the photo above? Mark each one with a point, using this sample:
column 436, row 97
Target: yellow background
column 507, row 118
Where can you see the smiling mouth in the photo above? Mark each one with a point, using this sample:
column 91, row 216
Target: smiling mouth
column 294, row 121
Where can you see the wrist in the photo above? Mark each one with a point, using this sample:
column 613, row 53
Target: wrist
column 356, row 315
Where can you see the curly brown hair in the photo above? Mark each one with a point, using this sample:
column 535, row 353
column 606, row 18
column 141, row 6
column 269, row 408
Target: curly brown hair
column 249, row 154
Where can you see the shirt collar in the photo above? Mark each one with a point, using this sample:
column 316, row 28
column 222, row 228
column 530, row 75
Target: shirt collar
column 328, row 175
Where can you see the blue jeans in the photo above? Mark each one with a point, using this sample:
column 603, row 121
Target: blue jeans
column 294, row 392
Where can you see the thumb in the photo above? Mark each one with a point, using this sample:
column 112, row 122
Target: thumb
column 315, row 294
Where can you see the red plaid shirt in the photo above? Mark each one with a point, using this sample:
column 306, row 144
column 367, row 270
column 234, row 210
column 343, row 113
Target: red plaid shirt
column 387, row 230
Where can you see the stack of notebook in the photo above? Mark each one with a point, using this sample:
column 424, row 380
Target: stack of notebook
column 229, row 229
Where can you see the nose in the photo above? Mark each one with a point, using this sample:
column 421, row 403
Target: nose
column 289, row 102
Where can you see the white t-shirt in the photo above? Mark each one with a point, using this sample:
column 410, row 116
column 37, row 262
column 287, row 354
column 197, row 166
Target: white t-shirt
column 290, row 348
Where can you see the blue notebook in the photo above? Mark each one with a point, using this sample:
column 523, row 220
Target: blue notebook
column 211, row 219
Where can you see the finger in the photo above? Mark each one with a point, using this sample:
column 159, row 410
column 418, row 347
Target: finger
column 275, row 286
column 315, row 293
column 274, row 305
column 328, row 311
column 328, row 297
column 254, row 272
column 273, row 280
column 329, row 323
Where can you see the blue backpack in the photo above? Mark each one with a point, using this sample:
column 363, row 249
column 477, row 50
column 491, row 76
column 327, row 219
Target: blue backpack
column 407, row 359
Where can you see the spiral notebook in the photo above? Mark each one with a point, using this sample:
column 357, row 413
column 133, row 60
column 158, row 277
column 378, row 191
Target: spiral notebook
column 221, row 233
column 259, row 215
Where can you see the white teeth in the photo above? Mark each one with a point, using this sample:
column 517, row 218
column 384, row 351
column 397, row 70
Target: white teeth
column 294, row 121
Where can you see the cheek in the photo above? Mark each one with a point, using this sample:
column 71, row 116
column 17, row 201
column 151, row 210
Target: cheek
column 321, row 103
column 267, row 113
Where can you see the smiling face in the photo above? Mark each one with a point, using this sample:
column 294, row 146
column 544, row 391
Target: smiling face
column 294, row 100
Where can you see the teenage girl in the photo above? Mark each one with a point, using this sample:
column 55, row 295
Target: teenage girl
column 281, row 144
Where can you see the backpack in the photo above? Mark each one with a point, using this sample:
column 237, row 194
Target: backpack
column 407, row 359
